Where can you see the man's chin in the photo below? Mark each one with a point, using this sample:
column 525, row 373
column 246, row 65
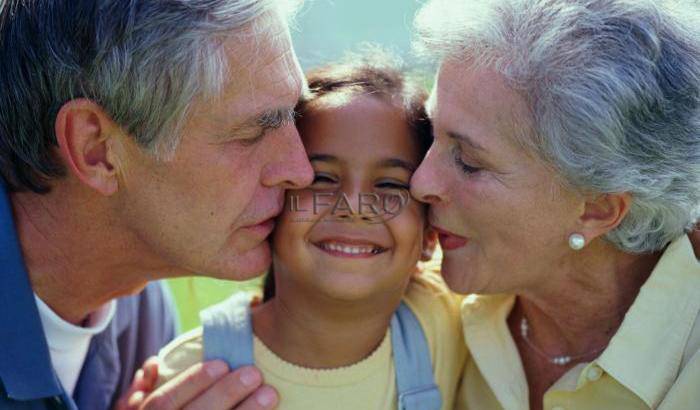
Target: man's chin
column 247, row 265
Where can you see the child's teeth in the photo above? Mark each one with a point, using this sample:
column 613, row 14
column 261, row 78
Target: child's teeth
column 350, row 250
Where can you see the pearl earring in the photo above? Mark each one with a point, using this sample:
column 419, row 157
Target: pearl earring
column 577, row 241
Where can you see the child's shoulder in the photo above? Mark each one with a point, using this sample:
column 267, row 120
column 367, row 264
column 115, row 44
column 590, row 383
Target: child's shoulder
column 432, row 301
column 428, row 285
column 179, row 355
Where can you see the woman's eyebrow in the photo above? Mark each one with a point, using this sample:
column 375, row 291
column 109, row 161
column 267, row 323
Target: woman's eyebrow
column 466, row 139
column 397, row 163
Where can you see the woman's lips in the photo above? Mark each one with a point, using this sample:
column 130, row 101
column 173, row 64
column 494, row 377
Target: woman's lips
column 450, row 241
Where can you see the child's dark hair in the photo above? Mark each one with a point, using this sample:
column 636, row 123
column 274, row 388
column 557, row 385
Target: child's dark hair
column 373, row 72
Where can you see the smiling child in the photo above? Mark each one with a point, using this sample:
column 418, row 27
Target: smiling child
column 348, row 321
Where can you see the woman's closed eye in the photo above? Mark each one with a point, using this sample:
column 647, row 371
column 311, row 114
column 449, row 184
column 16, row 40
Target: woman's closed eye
column 463, row 166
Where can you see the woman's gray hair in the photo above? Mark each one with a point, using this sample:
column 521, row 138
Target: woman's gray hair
column 143, row 62
column 614, row 91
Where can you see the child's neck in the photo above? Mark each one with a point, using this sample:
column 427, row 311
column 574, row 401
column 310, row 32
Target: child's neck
column 315, row 332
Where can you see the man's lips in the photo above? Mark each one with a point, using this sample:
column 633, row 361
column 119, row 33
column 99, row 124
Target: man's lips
column 262, row 229
column 448, row 240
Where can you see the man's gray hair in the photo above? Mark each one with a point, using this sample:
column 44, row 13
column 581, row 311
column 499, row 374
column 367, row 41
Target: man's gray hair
column 144, row 62
column 613, row 87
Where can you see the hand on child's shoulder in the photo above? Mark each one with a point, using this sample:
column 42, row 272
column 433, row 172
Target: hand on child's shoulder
column 180, row 354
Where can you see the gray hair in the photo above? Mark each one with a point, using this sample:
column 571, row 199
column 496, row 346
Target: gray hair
column 613, row 87
column 144, row 62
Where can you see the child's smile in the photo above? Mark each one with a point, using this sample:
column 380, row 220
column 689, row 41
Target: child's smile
column 345, row 247
column 362, row 152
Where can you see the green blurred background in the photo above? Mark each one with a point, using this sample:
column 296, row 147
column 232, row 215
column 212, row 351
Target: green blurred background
column 324, row 31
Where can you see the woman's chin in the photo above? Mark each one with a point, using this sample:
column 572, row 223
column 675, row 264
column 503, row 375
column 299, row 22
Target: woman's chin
column 458, row 275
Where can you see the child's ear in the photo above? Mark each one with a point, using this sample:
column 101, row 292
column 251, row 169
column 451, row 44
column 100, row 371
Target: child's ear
column 430, row 240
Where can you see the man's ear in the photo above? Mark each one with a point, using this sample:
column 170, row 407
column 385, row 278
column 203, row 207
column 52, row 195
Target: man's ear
column 84, row 133
column 603, row 213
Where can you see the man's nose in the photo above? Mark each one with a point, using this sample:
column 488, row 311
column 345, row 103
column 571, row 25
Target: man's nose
column 290, row 167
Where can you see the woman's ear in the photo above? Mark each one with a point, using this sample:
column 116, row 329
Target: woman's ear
column 604, row 213
column 430, row 240
column 84, row 133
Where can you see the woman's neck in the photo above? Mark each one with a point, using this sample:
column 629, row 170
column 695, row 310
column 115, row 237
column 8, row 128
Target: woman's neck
column 577, row 314
column 584, row 307
column 318, row 332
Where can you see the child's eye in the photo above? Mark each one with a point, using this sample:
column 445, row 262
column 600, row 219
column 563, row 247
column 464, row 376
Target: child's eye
column 391, row 185
column 323, row 179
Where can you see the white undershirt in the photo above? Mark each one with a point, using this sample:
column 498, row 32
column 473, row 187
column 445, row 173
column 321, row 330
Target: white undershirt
column 68, row 343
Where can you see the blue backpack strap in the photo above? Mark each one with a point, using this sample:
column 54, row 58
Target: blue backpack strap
column 414, row 370
column 228, row 331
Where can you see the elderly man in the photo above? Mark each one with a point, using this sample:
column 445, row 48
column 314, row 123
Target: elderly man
column 138, row 140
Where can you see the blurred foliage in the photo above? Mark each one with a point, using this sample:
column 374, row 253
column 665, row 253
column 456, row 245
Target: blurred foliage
column 194, row 294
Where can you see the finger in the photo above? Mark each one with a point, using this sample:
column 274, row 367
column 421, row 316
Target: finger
column 265, row 398
column 128, row 400
column 150, row 374
column 230, row 391
column 136, row 400
column 186, row 386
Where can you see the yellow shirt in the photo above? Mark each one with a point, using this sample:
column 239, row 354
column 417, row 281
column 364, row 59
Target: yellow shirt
column 369, row 384
column 652, row 362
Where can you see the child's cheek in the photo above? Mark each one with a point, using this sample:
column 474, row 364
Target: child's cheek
column 300, row 207
column 407, row 228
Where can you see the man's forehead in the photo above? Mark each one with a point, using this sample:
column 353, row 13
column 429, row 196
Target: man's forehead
column 259, row 43
column 268, row 63
column 263, row 74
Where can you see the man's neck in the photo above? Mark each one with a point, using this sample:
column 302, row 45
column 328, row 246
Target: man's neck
column 76, row 258
column 580, row 312
column 314, row 331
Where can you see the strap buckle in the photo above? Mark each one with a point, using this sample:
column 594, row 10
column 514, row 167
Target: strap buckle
column 422, row 398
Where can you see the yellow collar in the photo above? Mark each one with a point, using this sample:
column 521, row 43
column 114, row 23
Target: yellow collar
column 645, row 354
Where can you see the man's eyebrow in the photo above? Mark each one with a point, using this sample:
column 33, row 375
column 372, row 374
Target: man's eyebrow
column 397, row 163
column 269, row 119
column 323, row 158
column 466, row 139
column 275, row 118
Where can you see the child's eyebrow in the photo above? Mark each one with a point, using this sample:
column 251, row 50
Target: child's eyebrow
column 397, row 163
column 323, row 158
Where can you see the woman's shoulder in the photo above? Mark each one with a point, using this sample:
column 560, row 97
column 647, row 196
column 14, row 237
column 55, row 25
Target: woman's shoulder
column 183, row 352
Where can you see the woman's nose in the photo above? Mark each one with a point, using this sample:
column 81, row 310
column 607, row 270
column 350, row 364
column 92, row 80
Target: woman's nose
column 427, row 184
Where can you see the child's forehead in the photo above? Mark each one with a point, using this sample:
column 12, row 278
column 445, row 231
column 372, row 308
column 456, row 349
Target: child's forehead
column 350, row 95
column 363, row 131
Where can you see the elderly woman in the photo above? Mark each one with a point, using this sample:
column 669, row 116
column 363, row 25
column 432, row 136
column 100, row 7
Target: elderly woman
column 563, row 178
